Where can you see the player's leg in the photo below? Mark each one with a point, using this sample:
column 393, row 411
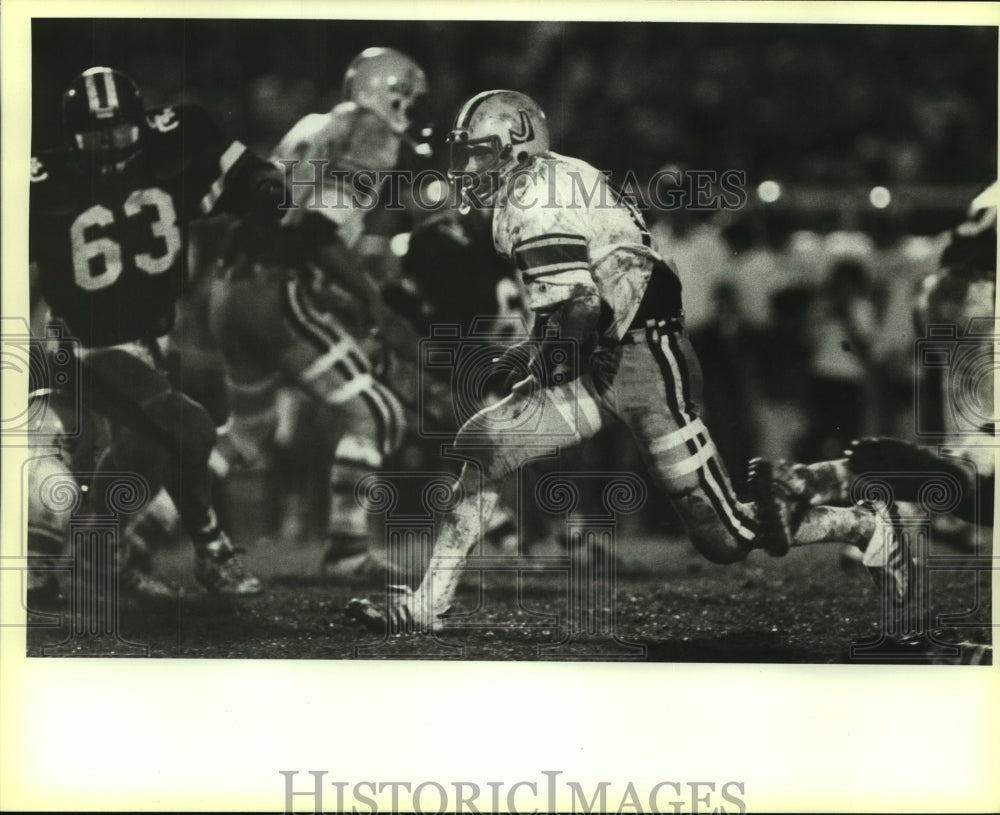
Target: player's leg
column 127, row 388
column 495, row 441
column 680, row 454
column 658, row 391
column 907, row 470
column 335, row 369
column 370, row 425
column 167, row 438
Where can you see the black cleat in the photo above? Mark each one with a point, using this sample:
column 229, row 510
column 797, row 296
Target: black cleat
column 371, row 615
column 219, row 569
column 775, row 533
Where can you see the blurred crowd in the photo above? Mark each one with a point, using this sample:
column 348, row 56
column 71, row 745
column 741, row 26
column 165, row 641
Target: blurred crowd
column 825, row 105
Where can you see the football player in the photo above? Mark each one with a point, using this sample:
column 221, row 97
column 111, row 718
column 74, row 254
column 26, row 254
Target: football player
column 297, row 304
column 108, row 232
column 592, row 277
column 960, row 295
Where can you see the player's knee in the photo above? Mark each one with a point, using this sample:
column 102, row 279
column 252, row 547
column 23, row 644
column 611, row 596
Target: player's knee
column 375, row 414
column 187, row 427
column 495, row 459
column 713, row 539
column 200, row 433
column 719, row 547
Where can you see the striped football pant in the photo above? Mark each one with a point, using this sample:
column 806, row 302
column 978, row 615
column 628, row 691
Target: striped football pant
column 656, row 392
column 271, row 332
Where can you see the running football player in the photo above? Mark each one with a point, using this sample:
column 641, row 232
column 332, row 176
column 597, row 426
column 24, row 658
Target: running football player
column 592, row 277
column 297, row 305
column 109, row 218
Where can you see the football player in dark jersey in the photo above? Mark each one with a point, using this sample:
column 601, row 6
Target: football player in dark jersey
column 108, row 232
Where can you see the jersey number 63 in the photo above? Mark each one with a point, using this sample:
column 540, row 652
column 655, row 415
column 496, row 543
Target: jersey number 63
column 86, row 252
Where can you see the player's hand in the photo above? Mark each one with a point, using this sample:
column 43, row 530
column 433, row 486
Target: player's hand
column 603, row 364
column 518, row 366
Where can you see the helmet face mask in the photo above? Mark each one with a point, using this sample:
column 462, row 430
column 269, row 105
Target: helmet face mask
column 475, row 166
column 103, row 119
column 109, row 139
column 419, row 130
column 476, row 156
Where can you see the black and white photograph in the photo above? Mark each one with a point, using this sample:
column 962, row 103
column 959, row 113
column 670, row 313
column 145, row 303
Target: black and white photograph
column 437, row 342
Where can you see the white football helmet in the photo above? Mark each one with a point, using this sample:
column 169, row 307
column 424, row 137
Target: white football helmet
column 495, row 132
column 389, row 83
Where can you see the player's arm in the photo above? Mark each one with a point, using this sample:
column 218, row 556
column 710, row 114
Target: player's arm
column 560, row 290
column 231, row 177
column 256, row 188
column 344, row 268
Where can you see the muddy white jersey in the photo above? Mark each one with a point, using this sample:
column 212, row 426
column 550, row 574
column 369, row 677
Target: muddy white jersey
column 565, row 225
column 350, row 139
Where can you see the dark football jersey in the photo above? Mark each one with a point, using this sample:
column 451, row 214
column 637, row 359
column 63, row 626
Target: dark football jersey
column 111, row 249
column 460, row 279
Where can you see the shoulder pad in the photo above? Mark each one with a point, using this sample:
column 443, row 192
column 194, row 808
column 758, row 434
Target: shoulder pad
column 349, row 122
column 306, row 139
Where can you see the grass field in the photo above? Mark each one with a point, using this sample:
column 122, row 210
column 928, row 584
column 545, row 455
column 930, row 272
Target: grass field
column 667, row 605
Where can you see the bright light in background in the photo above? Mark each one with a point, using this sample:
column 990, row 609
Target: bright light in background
column 919, row 247
column 769, row 191
column 434, row 192
column 398, row 244
column 804, row 241
column 880, row 197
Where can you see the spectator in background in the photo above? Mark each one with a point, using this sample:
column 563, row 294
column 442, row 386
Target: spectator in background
column 726, row 347
column 782, row 364
column 843, row 377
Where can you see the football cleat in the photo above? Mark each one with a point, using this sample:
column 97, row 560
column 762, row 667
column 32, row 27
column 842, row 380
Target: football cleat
column 775, row 532
column 147, row 586
column 371, row 615
column 402, row 615
column 218, row 568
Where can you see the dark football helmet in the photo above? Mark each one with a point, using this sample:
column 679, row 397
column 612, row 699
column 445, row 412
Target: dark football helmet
column 103, row 118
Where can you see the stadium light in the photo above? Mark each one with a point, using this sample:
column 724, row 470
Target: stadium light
column 769, row 191
column 880, row 197
column 399, row 244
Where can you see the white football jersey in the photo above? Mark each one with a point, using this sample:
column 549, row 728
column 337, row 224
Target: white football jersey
column 564, row 225
column 348, row 138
